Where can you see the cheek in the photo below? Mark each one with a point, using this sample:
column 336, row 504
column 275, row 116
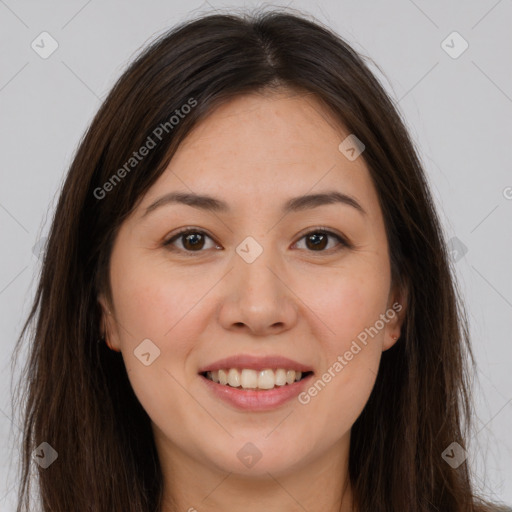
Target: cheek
column 351, row 306
column 152, row 303
column 152, row 311
column 348, row 303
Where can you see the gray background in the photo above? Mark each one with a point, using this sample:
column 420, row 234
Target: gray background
column 458, row 111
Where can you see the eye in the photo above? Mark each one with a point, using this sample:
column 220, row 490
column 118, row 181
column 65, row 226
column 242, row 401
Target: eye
column 318, row 240
column 192, row 240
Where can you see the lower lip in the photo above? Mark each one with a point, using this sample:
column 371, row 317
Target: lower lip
column 257, row 400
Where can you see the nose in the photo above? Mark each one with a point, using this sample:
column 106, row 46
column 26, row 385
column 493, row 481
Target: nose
column 257, row 299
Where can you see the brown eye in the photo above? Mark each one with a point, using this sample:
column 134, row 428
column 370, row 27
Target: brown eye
column 317, row 241
column 190, row 241
column 193, row 241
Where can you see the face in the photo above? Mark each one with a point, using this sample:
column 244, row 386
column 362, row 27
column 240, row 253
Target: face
column 262, row 279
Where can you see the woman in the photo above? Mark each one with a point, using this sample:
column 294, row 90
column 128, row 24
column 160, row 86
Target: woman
column 246, row 298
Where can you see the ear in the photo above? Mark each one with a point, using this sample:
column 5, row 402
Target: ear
column 107, row 324
column 395, row 312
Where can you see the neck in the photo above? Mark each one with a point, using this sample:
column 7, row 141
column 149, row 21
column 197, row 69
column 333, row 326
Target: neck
column 319, row 485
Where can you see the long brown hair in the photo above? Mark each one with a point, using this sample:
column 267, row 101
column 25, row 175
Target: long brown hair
column 75, row 393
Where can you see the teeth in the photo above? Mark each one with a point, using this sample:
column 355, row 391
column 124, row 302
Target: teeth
column 280, row 377
column 233, row 378
column 223, row 378
column 248, row 378
column 252, row 379
column 266, row 379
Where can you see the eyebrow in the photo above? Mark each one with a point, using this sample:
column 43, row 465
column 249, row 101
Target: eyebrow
column 300, row 203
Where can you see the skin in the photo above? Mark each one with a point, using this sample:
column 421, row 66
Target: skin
column 254, row 152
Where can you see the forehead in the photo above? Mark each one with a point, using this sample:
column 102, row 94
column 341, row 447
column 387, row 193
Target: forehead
column 265, row 148
column 267, row 127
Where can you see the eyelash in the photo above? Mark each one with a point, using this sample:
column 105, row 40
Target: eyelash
column 343, row 242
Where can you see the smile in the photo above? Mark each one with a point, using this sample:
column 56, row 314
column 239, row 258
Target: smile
column 249, row 379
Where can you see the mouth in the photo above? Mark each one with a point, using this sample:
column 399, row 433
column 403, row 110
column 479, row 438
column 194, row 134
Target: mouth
column 247, row 379
column 255, row 383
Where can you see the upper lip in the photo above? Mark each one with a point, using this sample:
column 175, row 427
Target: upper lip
column 256, row 363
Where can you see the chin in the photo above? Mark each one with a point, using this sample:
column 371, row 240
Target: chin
column 255, row 456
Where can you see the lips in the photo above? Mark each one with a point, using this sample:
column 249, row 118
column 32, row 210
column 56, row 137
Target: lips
column 254, row 383
column 258, row 363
